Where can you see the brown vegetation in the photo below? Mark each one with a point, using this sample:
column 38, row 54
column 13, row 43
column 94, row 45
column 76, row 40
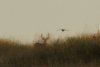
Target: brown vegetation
column 80, row 51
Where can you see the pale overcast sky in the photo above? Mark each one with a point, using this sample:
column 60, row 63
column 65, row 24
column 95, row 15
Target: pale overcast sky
column 26, row 19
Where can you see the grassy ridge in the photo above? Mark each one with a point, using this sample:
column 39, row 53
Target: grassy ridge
column 73, row 51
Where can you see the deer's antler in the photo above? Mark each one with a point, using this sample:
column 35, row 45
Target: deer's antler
column 45, row 38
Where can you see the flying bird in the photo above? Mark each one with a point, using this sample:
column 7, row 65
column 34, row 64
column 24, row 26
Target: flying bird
column 63, row 30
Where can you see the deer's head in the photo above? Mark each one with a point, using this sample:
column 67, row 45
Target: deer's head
column 46, row 38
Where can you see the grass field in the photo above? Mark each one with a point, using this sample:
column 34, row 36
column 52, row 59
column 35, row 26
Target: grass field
column 78, row 51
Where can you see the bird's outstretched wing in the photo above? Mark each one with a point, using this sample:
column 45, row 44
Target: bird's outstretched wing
column 66, row 30
column 63, row 30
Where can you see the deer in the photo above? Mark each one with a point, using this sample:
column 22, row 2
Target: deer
column 38, row 44
column 45, row 39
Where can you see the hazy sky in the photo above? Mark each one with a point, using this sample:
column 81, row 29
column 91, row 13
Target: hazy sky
column 26, row 19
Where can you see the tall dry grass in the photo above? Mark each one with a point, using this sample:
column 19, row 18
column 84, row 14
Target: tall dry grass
column 79, row 51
